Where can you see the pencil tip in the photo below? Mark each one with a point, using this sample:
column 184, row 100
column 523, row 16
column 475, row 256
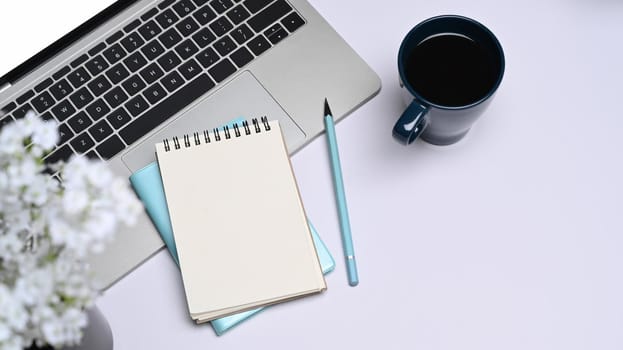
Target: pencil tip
column 327, row 110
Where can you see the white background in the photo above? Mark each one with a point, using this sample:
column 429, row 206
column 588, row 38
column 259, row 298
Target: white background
column 510, row 239
column 29, row 26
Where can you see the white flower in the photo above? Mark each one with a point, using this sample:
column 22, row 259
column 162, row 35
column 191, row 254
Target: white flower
column 128, row 207
column 12, row 138
column 46, row 135
column 12, row 344
column 46, row 231
column 5, row 332
column 35, row 287
column 9, row 246
column 16, row 316
column 75, row 200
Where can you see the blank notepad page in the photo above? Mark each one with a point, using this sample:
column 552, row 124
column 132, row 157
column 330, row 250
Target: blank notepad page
column 239, row 225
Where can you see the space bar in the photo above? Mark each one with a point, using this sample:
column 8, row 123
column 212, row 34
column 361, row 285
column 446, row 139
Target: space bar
column 166, row 109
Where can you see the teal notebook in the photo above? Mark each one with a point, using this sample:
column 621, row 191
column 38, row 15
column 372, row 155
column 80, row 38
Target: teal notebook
column 148, row 186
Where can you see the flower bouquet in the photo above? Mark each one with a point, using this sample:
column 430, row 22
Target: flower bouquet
column 48, row 227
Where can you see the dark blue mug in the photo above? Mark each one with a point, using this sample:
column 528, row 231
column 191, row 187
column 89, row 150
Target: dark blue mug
column 450, row 66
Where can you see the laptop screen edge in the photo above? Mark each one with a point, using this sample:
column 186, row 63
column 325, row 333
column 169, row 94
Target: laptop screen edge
column 65, row 41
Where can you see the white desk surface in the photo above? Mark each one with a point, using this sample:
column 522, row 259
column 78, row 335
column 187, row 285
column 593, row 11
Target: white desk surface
column 510, row 239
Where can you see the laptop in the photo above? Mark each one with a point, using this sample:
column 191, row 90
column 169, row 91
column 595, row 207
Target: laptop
column 120, row 76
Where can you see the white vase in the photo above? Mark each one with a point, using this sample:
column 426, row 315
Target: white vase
column 97, row 334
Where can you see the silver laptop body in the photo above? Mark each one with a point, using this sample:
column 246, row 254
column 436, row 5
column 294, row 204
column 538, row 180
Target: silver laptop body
column 288, row 82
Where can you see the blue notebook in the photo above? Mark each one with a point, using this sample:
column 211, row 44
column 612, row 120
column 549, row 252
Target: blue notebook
column 148, row 186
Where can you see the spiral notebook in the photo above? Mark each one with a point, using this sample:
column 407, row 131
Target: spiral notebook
column 148, row 186
column 256, row 249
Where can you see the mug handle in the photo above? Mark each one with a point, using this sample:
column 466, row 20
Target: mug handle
column 411, row 123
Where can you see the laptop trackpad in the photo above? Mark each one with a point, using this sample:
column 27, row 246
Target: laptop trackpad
column 243, row 97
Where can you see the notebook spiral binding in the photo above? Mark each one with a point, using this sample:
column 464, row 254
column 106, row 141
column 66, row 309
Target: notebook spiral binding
column 217, row 134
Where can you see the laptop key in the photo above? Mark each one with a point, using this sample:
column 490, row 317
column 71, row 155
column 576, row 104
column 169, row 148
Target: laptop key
column 167, row 19
column 100, row 130
column 169, row 61
column 78, row 77
column 43, row 102
column 135, row 61
column 242, row 33
column 204, row 15
column 8, row 108
column 190, row 69
column 241, row 57
column 238, row 14
column 200, row 2
column 78, row 61
column 275, row 33
column 152, row 50
column 118, row 118
column 166, row 108
column 221, row 6
column 43, row 85
column 221, row 26
column 258, row 45
column 21, row 111
column 149, row 14
column 81, row 98
column 64, row 133
column 151, row 73
column 100, row 85
column 222, row 70
column 154, row 93
column 172, row 81
column 63, row 110
column 256, row 5
column 170, row 38
column 269, row 15
column 224, row 45
column 149, row 30
column 92, row 155
column 137, row 105
column 61, row 73
column 79, row 122
column 113, row 38
column 96, row 65
column 116, row 97
column 186, row 49
column 97, row 109
column 184, row 7
column 110, row 147
column 25, row 97
column 292, row 22
column 82, row 142
column 61, row 89
column 117, row 73
column 61, row 154
column 187, row 26
column 132, row 42
column 133, row 85
column 132, row 25
column 97, row 49
column 5, row 121
column 47, row 116
column 207, row 57
column 114, row 53
column 165, row 4
column 204, row 37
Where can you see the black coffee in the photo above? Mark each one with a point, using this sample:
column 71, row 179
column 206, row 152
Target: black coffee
column 451, row 70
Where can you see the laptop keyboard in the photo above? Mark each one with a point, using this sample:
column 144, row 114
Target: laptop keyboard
column 139, row 77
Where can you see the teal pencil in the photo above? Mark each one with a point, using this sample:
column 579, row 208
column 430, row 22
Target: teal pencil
column 347, row 240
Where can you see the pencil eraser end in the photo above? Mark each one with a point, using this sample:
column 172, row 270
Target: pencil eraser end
column 353, row 279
